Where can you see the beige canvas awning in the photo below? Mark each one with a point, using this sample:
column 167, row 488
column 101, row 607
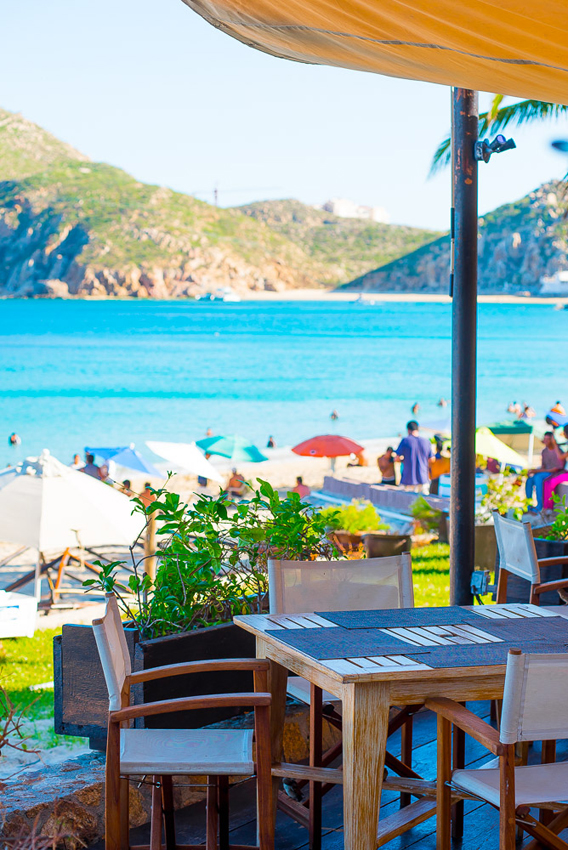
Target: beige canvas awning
column 508, row 46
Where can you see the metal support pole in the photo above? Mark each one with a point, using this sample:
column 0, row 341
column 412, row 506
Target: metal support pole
column 464, row 344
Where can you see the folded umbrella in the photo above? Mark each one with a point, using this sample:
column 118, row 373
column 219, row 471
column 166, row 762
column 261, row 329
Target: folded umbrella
column 234, row 447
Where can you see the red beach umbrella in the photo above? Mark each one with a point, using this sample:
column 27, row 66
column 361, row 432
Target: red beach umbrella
column 328, row 445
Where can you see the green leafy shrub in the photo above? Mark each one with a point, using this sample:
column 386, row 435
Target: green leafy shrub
column 559, row 528
column 505, row 495
column 357, row 518
column 213, row 558
column 427, row 516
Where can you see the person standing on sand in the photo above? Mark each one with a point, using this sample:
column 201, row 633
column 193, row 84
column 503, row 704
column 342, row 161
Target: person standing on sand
column 91, row 468
column 414, row 451
column 147, row 496
column 301, row 489
column 386, row 465
column 77, row 463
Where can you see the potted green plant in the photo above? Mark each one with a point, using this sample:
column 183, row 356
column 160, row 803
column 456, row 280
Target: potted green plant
column 212, row 564
column 551, row 541
column 358, row 525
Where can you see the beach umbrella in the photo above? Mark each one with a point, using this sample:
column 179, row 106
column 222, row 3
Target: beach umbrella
column 49, row 507
column 186, row 457
column 126, row 456
column 328, row 445
column 488, row 445
column 233, row 447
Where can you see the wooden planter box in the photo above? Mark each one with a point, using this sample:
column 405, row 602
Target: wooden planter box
column 81, row 697
column 376, row 545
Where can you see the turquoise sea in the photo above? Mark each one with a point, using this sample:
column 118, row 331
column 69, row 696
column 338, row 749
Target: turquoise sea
column 74, row 373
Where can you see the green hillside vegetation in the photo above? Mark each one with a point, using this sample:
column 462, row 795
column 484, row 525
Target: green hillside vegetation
column 519, row 243
column 346, row 247
column 72, row 226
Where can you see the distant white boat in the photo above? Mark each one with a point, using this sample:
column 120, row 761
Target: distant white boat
column 367, row 299
column 223, row 293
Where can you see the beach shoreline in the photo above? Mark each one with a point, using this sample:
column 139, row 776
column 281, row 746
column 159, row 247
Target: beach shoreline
column 331, row 295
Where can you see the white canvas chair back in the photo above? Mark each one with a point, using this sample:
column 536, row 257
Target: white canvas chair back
column 535, row 698
column 297, row 587
column 113, row 651
column 517, row 552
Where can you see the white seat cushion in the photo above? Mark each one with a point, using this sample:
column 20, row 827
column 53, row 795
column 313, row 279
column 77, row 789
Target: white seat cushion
column 300, row 689
column 539, row 783
column 186, row 751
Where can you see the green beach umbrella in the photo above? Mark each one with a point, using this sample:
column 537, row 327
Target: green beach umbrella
column 488, row 445
column 232, row 446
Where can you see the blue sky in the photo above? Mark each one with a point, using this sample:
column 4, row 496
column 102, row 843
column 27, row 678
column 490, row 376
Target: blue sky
column 150, row 87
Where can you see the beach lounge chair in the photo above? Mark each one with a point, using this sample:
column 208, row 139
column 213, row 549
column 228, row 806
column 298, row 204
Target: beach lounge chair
column 163, row 753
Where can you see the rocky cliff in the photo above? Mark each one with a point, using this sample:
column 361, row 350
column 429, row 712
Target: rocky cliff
column 71, row 227
column 518, row 244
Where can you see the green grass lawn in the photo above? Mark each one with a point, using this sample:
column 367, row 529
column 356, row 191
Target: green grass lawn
column 25, row 662
column 29, row 661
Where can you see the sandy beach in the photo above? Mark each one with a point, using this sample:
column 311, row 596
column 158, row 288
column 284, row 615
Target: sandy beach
column 393, row 297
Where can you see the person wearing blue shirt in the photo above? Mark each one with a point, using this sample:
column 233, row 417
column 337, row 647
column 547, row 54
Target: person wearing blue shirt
column 414, row 451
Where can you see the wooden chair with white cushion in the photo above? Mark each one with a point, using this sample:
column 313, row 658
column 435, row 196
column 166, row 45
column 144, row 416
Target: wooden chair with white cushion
column 517, row 556
column 163, row 753
column 535, row 708
column 297, row 587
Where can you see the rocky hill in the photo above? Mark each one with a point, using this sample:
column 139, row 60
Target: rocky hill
column 345, row 247
column 71, row 227
column 518, row 244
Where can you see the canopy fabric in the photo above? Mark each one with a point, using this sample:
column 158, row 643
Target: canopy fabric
column 504, row 46
column 186, row 457
column 48, row 506
column 127, row 456
column 328, row 445
column 512, row 426
column 233, row 447
column 488, row 445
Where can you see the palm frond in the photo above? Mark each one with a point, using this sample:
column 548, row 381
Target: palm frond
column 442, row 157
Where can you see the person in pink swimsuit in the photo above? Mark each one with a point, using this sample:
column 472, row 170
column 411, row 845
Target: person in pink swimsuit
column 551, row 484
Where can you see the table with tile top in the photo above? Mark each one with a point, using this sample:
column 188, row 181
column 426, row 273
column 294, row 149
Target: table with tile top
column 375, row 660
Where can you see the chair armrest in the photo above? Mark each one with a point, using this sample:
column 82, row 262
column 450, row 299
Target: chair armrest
column 254, row 664
column 166, row 706
column 557, row 561
column 551, row 585
column 465, row 719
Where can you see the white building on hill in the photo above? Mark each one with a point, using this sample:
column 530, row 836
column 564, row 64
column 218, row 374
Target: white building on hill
column 555, row 284
column 349, row 209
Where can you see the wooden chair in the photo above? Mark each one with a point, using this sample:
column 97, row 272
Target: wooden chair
column 517, row 556
column 297, row 587
column 163, row 753
column 534, row 709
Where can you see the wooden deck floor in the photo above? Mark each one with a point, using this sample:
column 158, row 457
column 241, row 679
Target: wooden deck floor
column 481, row 821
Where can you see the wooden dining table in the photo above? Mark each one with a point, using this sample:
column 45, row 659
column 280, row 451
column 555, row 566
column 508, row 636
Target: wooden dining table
column 368, row 685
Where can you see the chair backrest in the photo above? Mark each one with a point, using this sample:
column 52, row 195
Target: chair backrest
column 535, row 698
column 517, row 552
column 113, row 651
column 297, row 587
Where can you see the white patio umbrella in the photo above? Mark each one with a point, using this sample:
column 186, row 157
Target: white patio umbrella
column 49, row 507
column 186, row 457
